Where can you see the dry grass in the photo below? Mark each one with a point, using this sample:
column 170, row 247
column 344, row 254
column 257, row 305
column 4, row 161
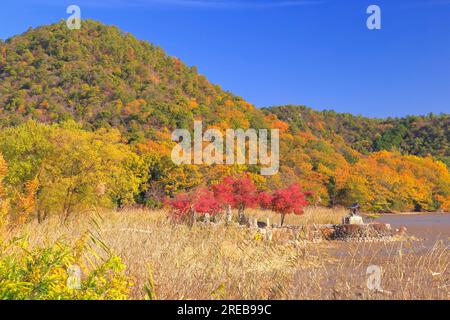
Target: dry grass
column 219, row 262
column 312, row 215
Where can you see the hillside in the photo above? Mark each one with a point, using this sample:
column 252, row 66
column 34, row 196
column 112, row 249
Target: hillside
column 103, row 77
column 415, row 135
column 74, row 83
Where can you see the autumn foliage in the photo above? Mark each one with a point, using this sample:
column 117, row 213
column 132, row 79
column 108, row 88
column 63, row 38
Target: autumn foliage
column 239, row 193
column 99, row 135
column 205, row 202
column 265, row 200
column 4, row 205
column 181, row 206
column 290, row 200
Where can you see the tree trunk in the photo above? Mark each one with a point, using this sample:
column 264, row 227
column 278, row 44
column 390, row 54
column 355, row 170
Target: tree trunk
column 44, row 217
column 282, row 219
column 39, row 216
column 67, row 205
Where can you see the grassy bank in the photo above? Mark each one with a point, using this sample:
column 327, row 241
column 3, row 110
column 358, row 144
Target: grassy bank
column 168, row 261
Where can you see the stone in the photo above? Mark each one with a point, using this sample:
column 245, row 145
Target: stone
column 253, row 222
column 242, row 218
column 262, row 225
column 348, row 231
column 268, row 234
column 353, row 219
column 380, row 229
column 229, row 215
column 327, row 232
column 401, row 231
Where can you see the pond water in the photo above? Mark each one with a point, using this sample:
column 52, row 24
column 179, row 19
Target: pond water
column 429, row 226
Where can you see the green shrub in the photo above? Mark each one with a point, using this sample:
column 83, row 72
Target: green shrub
column 42, row 272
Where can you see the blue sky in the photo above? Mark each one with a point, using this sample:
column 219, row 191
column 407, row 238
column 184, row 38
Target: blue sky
column 316, row 52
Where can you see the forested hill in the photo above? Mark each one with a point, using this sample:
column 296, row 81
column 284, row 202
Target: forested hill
column 60, row 89
column 416, row 135
column 102, row 77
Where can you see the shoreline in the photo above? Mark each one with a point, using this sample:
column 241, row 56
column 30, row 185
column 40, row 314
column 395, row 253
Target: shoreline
column 409, row 213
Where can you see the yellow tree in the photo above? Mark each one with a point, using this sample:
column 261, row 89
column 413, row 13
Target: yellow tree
column 86, row 169
column 4, row 205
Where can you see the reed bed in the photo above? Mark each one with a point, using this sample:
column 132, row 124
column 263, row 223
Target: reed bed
column 173, row 261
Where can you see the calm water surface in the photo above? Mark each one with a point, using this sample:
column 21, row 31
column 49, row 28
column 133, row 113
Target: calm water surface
column 426, row 228
column 430, row 226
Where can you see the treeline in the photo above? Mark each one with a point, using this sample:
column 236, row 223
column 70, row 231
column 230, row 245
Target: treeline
column 415, row 135
column 61, row 169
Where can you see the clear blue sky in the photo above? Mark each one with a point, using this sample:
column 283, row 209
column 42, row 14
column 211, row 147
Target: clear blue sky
column 272, row 52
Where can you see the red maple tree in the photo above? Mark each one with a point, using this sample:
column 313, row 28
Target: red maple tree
column 181, row 206
column 185, row 205
column 288, row 201
column 238, row 192
column 206, row 202
column 265, row 200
